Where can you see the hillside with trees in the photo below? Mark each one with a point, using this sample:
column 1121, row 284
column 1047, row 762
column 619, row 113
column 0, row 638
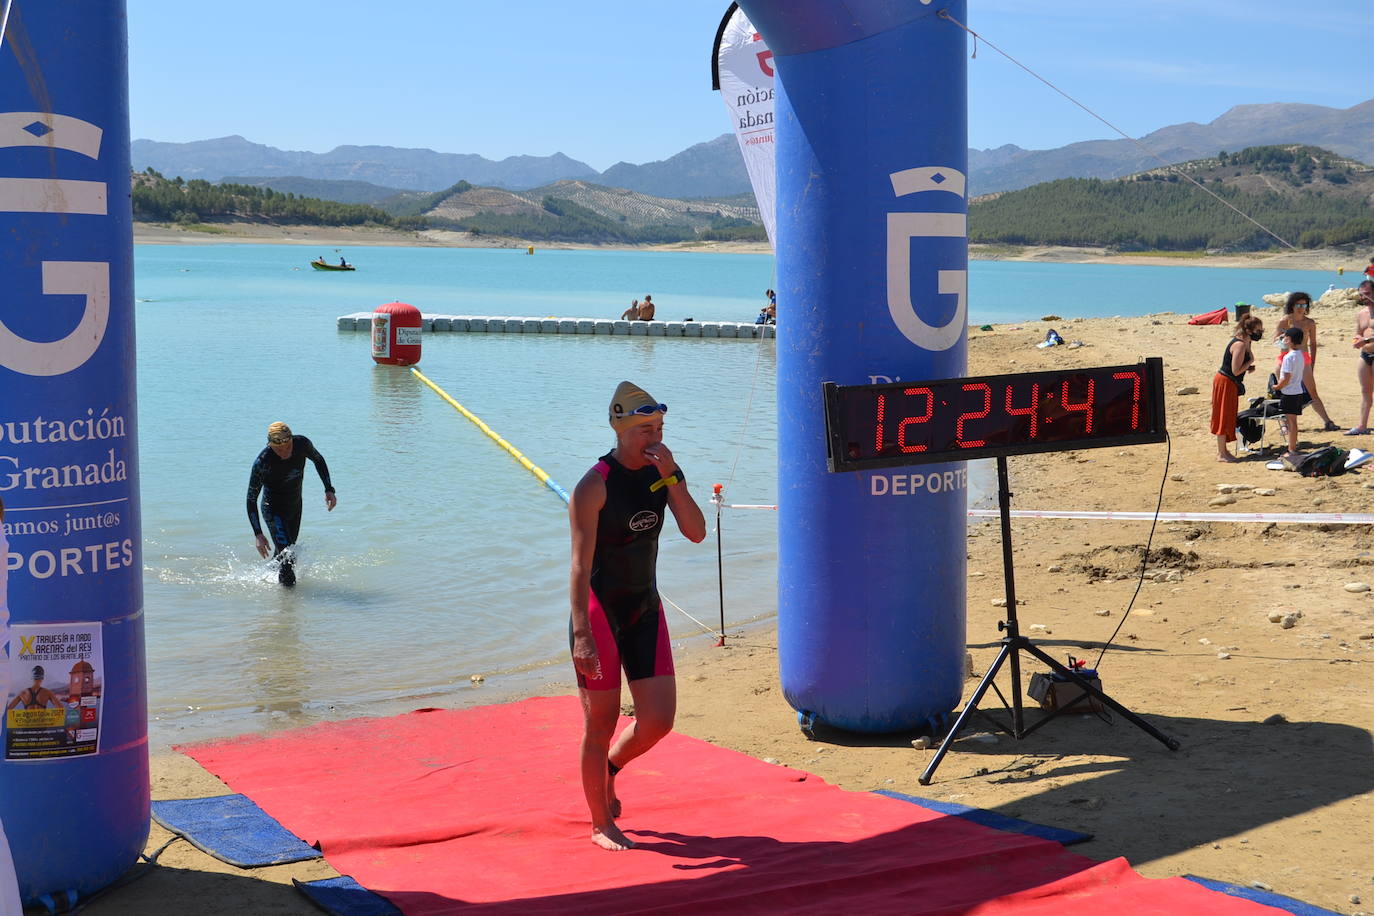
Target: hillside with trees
column 175, row 200
column 1309, row 196
column 566, row 211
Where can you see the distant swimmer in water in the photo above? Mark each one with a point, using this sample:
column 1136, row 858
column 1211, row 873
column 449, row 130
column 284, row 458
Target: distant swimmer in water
column 616, row 513
column 278, row 472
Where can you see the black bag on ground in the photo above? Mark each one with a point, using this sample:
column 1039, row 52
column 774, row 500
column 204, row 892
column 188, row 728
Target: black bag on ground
column 1324, row 462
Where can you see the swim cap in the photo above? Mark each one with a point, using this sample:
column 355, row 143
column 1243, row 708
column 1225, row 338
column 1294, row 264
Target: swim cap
column 38, row 673
column 628, row 399
column 279, row 433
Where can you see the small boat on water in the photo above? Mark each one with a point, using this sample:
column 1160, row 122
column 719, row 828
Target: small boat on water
column 321, row 264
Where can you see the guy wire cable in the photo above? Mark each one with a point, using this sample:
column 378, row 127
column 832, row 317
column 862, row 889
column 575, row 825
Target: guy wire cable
column 1145, row 558
column 534, row 469
column 944, row 14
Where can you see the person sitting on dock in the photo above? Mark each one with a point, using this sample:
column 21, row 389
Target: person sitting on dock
column 646, row 308
column 631, row 313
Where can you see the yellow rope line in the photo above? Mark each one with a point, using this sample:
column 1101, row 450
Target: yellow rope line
column 533, row 469
column 515, row 453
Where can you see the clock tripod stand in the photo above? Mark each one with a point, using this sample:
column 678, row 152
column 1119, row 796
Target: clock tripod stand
column 1013, row 643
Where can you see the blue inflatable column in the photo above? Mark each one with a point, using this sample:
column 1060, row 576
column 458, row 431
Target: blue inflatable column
column 872, row 259
column 74, row 792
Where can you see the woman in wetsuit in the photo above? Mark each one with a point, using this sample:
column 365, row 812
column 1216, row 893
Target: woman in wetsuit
column 616, row 514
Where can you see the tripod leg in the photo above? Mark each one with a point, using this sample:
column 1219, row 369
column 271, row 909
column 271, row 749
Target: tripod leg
column 1170, row 743
column 969, row 709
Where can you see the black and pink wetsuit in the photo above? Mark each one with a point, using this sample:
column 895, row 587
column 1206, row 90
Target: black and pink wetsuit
column 626, row 614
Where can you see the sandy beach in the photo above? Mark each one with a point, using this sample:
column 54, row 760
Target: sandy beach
column 1274, row 780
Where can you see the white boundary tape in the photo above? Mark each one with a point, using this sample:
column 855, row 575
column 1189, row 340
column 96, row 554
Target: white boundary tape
column 1296, row 518
column 1278, row 518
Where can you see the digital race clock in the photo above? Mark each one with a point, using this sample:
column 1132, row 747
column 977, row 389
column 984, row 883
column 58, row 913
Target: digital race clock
column 899, row 423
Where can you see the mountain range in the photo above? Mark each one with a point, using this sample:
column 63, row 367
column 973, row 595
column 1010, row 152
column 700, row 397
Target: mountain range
column 715, row 168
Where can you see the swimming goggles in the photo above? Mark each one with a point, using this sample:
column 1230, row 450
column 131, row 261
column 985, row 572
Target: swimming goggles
column 648, row 410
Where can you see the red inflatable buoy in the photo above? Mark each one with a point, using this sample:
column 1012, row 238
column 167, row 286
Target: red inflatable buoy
column 396, row 334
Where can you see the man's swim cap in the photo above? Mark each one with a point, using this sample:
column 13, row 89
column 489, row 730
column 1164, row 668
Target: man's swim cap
column 278, row 433
column 632, row 405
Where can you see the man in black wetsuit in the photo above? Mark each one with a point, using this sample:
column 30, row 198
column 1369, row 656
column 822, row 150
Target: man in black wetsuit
column 278, row 472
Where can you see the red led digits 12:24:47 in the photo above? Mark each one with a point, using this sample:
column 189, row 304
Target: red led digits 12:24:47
column 891, row 424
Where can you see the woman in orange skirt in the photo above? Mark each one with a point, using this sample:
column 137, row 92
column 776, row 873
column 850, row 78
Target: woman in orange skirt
column 1227, row 385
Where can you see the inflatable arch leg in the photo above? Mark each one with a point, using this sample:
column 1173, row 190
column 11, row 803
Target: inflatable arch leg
column 871, row 129
column 74, row 794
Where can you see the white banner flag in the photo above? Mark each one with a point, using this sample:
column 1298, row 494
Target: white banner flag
column 744, row 76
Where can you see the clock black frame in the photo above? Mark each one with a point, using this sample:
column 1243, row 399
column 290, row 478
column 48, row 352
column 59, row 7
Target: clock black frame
column 853, row 408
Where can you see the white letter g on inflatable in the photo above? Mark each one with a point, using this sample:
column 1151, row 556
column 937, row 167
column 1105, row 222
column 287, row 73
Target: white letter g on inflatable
column 901, row 229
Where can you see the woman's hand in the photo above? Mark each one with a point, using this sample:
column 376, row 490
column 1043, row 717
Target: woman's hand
column 585, row 660
column 662, row 458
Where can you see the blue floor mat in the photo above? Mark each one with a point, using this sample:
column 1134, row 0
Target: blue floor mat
column 993, row 820
column 1268, row 898
column 232, row 829
column 342, row 896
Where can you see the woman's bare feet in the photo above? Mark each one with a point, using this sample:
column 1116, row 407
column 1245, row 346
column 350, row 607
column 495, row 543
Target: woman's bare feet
column 610, row 837
column 1228, row 458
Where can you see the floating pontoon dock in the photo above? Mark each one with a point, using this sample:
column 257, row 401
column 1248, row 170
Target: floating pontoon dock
column 486, row 324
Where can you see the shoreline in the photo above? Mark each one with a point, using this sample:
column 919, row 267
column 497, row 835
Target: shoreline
column 1275, row 772
column 341, row 236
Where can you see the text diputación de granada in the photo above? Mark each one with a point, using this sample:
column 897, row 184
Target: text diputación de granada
column 19, row 477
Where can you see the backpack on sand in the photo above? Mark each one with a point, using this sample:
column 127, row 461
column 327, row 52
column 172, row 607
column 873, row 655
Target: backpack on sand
column 1324, row 462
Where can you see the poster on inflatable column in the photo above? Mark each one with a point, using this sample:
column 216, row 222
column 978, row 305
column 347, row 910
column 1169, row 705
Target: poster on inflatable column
column 55, row 684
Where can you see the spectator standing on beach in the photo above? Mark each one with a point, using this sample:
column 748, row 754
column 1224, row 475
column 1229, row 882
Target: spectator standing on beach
column 1364, row 342
column 1228, row 385
column 1290, row 386
column 646, row 308
column 1369, row 271
column 1295, row 315
column 278, row 472
column 631, row 313
column 616, row 515
column 9, row 883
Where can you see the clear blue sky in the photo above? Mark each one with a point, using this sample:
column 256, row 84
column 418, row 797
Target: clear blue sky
column 602, row 82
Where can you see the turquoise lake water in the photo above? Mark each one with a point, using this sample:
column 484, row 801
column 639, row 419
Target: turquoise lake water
column 445, row 558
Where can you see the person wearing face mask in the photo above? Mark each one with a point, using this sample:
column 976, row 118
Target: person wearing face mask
column 616, row 514
column 1292, row 396
column 1228, row 384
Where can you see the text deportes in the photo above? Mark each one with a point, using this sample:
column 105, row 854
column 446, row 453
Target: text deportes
column 914, row 484
column 74, row 561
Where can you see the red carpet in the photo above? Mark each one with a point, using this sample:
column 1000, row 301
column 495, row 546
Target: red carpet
column 480, row 811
